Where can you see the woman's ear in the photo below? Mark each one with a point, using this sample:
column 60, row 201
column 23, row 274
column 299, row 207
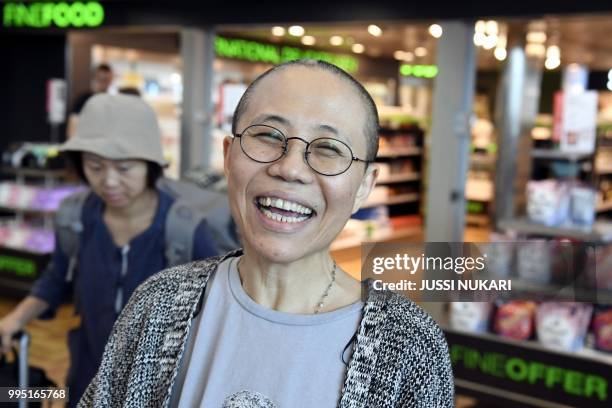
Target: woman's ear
column 227, row 145
column 365, row 187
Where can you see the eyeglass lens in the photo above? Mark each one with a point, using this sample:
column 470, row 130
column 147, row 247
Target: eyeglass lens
column 325, row 155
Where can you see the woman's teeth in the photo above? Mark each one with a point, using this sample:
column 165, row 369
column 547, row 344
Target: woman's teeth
column 282, row 218
column 284, row 205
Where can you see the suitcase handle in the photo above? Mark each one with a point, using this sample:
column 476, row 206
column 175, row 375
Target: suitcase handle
column 24, row 344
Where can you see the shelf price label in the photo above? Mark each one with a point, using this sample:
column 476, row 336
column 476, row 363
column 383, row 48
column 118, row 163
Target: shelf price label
column 48, row 14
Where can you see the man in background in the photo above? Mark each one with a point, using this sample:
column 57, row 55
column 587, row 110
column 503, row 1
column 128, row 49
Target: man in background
column 101, row 81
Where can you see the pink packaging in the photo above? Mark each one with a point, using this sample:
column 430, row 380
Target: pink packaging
column 563, row 325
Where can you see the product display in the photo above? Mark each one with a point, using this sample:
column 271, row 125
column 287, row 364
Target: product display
column 563, row 325
column 515, row 319
column 602, row 326
column 583, row 205
column 27, row 238
column 533, row 260
column 548, row 202
column 34, row 198
column 500, row 253
column 470, row 316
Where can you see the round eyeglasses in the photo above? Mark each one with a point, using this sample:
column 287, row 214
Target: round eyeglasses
column 325, row 155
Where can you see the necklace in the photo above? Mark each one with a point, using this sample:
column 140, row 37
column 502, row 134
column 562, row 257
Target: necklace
column 326, row 292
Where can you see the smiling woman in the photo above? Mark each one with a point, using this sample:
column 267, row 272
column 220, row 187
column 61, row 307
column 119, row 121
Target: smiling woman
column 278, row 323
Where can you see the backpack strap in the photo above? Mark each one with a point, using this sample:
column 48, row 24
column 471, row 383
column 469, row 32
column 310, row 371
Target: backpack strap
column 181, row 223
column 69, row 226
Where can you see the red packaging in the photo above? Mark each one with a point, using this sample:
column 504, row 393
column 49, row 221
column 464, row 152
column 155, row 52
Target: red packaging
column 602, row 326
column 515, row 319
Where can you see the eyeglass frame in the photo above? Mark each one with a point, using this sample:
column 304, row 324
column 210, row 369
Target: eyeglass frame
column 306, row 152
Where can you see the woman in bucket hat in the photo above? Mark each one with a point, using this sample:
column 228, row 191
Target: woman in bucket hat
column 117, row 149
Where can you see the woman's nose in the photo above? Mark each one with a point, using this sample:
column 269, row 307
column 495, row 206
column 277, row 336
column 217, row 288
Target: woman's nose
column 111, row 177
column 292, row 166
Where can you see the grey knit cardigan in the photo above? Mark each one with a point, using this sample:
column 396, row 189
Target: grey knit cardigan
column 400, row 357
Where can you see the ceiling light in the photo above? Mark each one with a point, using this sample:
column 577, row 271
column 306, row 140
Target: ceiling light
column 610, row 75
column 336, row 40
column 553, row 51
column 296, row 31
column 420, row 51
column 278, row 31
column 399, row 55
column 408, row 56
column 610, row 85
column 375, row 30
column 308, row 40
column 479, row 38
column 480, row 26
column 491, row 27
column 358, row 48
column 490, row 42
column 535, row 50
column 552, row 63
column 536, row 37
column 500, row 54
column 435, row 30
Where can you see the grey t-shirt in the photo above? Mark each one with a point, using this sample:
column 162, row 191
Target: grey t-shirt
column 241, row 354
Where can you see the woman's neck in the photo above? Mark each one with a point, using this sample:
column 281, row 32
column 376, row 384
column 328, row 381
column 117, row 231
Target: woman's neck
column 297, row 287
column 143, row 205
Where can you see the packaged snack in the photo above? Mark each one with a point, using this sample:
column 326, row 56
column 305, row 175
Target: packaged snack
column 533, row 260
column 583, row 205
column 563, row 325
column 599, row 267
column 500, row 254
column 470, row 316
column 602, row 326
column 548, row 202
column 514, row 319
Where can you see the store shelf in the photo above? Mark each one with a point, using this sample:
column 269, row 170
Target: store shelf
column 600, row 170
column 560, row 293
column 480, row 199
column 399, row 152
column 399, row 178
column 551, row 154
column 502, row 371
column 605, row 206
column 378, row 236
column 31, row 211
column 398, row 199
column 34, row 172
column 481, row 220
column 600, row 231
column 484, row 160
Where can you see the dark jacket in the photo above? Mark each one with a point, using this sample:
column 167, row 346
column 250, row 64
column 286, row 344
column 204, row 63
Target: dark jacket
column 98, row 279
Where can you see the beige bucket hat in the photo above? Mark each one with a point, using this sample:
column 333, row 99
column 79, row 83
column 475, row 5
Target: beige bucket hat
column 117, row 127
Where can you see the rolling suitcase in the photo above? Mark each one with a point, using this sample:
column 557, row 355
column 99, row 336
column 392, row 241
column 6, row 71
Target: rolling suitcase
column 19, row 374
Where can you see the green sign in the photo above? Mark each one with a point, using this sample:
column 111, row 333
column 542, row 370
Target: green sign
column 572, row 382
column 419, row 71
column 273, row 54
column 44, row 15
column 19, row 266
